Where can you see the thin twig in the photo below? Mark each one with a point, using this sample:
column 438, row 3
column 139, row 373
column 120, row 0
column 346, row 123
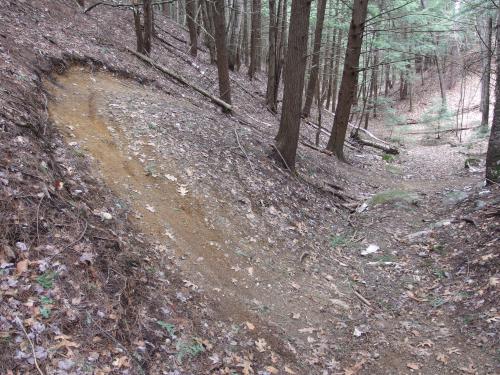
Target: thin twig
column 31, row 344
column 117, row 343
column 363, row 299
column 242, row 149
column 37, row 216
column 74, row 242
column 281, row 156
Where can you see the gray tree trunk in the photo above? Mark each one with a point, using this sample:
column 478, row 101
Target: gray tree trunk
column 293, row 76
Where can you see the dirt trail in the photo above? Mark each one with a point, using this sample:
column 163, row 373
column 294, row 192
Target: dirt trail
column 317, row 311
column 208, row 250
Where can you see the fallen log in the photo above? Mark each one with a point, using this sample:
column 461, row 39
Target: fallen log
column 181, row 79
column 326, row 132
column 386, row 148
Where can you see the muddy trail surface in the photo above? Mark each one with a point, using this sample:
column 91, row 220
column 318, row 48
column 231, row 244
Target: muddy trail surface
column 349, row 294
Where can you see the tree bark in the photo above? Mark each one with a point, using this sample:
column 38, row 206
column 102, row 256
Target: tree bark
column 222, row 55
column 349, row 78
column 244, row 44
column 293, row 76
column 375, row 82
column 336, row 70
column 493, row 154
column 234, row 36
column 166, row 10
column 138, row 30
column 271, row 66
column 206, row 11
column 191, row 23
column 485, row 76
column 148, row 25
column 313, row 77
column 255, row 39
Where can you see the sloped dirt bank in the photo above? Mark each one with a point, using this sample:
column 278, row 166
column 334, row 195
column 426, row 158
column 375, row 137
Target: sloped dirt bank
column 160, row 204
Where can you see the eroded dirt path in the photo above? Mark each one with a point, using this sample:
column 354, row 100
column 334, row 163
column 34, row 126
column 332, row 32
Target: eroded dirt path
column 336, row 309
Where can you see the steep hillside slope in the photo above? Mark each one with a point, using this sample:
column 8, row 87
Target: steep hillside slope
column 145, row 231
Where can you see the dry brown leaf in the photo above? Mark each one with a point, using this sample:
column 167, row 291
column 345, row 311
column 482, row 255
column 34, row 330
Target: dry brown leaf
column 261, row 345
column 122, row 361
column 468, row 370
column 442, row 358
column 288, row 370
column 413, row 365
column 426, row 343
column 250, row 326
column 22, row 266
column 271, row 370
column 354, row 369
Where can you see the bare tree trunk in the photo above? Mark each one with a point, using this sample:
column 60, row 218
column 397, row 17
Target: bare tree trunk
column 222, row 56
column 206, row 12
column 493, row 154
column 166, row 9
column 485, row 76
column 336, row 70
column 191, row 23
column 271, row 69
column 313, row 77
column 234, row 35
column 138, row 30
column 375, row 81
column 329, row 73
column 441, row 82
column 388, row 83
column 349, row 78
column 255, row 39
column 148, row 26
column 244, row 44
column 293, row 76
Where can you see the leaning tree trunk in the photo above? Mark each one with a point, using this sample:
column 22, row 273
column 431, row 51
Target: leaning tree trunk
column 222, row 56
column 191, row 23
column 313, row 77
column 349, row 78
column 293, row 76
column 493, row 154
column 255, row 39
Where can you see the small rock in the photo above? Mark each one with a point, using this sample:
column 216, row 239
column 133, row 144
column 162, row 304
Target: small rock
column 106, row 215
column 65, row 364
column 21, row 246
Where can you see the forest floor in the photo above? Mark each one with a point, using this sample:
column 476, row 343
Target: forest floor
column 152, row 232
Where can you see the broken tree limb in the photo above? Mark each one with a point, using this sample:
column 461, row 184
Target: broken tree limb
column 317, row 148
column 182, row 80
